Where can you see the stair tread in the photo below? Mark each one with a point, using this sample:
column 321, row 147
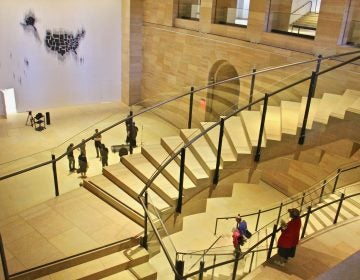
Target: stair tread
column 355, row 106
column 144, row 270
column 105, row 184
column 314, row 106
column 227, row 154
column 235, row 130
column 160, row 155
column 273, row 122
column 134, row 184
column 201, row 147
column 327, row 104
column 348, row 98
column 252, row 120
column 145, row 170
column 123, row 275
column 191, row 163
column 117, row 259
column 289, row 116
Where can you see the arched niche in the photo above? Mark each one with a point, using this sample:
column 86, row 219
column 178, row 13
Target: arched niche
column 223, row 98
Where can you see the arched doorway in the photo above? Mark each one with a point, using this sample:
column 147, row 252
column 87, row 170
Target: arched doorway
column 224, row 97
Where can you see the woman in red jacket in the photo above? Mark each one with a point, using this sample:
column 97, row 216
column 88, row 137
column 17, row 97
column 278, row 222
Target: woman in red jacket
column 289, row 237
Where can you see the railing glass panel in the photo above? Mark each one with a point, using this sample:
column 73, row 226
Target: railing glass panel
column 353, row 38
column 188, row 9
column 232, row 16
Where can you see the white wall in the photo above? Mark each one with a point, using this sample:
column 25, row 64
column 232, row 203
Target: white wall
column 47, row 81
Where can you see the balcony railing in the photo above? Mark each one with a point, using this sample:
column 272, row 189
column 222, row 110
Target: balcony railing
column 232, row 16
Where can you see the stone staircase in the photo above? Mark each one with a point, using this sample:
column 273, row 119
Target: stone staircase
column 123, row 182
column 307, row 21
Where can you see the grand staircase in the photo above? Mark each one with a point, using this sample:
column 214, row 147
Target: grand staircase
column 120, row 184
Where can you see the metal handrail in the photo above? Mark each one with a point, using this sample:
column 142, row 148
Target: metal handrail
column 251, row 249
column 176, row 98
column 302, row 7
column 308, row 192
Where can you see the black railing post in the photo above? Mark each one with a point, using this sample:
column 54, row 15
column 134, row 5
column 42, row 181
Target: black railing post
column 311, row 92
column 339, row 208
column 218, row 158
column 273, row 235
column 179, row 266
column 279, row 215
column 181, row 181
column 236, row 262
column 336, row 179
column 201, row 270
column 251, row 261
column 3, row 260
column 257, row 220
column 262, row 126
column 306, row 222
column 129, row 131
column 322, row 190
column 145, row 238
column 302, row 201
column 252, row 87
column 53, row 159
column 216, row 222
column 191, row 106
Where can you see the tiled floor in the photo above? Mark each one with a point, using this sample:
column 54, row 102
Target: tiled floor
column 37, row 227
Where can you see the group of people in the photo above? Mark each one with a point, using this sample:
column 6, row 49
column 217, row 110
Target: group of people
column 287, row 242
column 101, row 152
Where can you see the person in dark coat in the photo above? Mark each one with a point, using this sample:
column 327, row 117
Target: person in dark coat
column 71, row 158
column 104, row 152
column 289, row 237
column 83, row 165
column 97, row 142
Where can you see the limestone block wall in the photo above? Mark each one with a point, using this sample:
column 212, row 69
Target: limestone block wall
column 177, row 57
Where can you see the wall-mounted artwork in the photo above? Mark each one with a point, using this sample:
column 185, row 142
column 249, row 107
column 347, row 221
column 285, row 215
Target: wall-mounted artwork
column 63, row 42
column 29, row 24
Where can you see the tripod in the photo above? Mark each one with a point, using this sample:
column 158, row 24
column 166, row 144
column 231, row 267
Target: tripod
column 30, row 119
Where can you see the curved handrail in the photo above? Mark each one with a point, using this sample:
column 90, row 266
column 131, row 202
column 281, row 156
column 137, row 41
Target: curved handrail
column 308, row 192
column 277, row 229
column 265, row 70
column 302, row 7
column 205, row 131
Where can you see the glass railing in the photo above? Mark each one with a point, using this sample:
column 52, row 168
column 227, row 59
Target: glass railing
column 148, row 115
column 293, row 24
column 189, row 11
column 283, row 210
column 232, row 16
column 353, row 38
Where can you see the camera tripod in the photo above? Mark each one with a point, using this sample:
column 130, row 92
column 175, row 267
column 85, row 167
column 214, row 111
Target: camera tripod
column 30, row 119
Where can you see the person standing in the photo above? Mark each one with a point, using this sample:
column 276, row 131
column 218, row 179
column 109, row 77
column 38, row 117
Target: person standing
column 70, row 156
column 97, row 142
column 104, row 151
column 289, row 237
column 83, row 165
column 82, row 147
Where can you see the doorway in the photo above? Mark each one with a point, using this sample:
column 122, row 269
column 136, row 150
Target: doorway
column 8, row 102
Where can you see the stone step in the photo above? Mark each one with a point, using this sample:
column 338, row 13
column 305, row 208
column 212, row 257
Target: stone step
column 239, row 141
column 106, row 190
column 314, row 106
column 251, row 121
column 143, row 169
column 327, row 104
column 290, row 117
column 227, row 155
column 157, row 155
column 107, row 266
column 192, row 166
column 347, row 99
column 132, row 185
column 272, row 122
column 201, row 149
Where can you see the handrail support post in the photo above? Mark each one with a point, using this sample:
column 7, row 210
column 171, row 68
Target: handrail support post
column 53, row 159
column 262, row 126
